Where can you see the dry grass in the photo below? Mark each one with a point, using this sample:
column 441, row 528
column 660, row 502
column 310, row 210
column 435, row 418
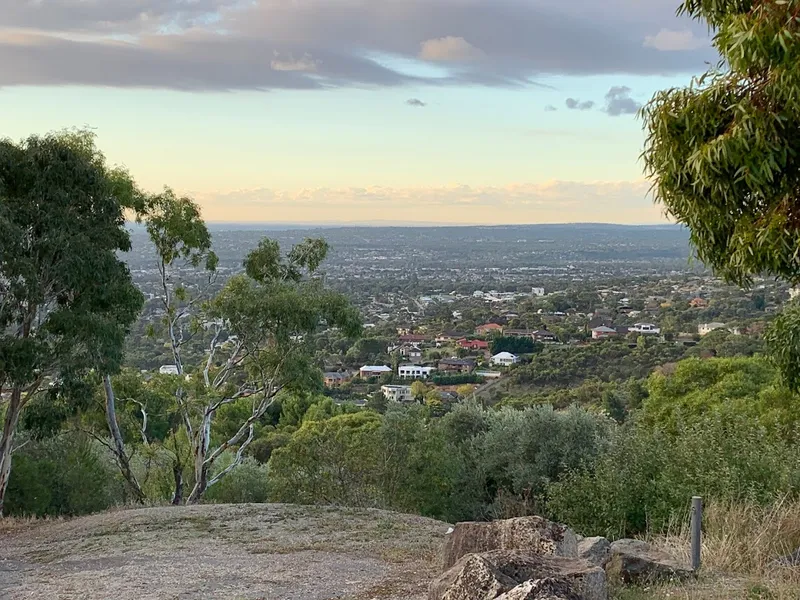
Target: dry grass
column 740, row 545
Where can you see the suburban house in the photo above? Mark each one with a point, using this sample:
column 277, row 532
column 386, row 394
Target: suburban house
column 488, row 329
column 706, row 328
column 456, row 365
column 473, row 344
column 603, row 333
column 698, row 302
column 443, row 339
column 518, row 333
column 334, row 379
column 505, row 359
column 397, row 393
column 408, row 351
column 368, row 371
column 646, row 328
column 544, row 336
column 168, row 370
column 414, row 372
column 413, row 338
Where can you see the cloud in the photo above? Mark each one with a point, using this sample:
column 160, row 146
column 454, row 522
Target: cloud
column 449, row 49
column 547, row 202
column 550, row 108
column 232, row 44
column 305, row 63
column 619, row 102
column 668, row 40
column 574, row 104
column 415, row 102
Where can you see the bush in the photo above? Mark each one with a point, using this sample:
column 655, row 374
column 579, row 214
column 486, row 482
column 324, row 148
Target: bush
column 647, row 476
column 247, row 482
column 63, row 475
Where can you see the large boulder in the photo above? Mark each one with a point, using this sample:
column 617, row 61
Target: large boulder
column 595, row 550
column 533, row 535
column 542, row 589
column 634, row 561
column 505, row 570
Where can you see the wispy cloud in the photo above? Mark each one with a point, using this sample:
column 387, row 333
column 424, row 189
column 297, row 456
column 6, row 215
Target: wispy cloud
column 550, row 108
column 619, row 102
column 574, row 104
column 553, row 202
column 323, row 44
column 415, row 102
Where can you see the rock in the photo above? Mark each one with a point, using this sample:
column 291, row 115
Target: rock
column 533, row 535
column 474, row 577
column 507, row 569
column 634, row 561
column 595, row 550
column 542, row 589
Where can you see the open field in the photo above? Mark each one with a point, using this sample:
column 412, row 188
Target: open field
column 268, row 552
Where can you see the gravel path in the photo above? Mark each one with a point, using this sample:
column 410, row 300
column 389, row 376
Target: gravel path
column 269, row 552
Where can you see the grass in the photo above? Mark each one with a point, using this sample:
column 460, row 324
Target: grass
column 740, row 545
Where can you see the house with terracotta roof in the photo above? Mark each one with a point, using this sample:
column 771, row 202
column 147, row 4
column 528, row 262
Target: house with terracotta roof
column 473, row 344
column 488, row 329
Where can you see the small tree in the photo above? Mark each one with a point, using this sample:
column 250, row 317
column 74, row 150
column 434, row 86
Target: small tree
column 66, row 299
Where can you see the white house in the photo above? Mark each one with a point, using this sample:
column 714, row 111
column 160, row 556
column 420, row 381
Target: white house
column 706, row 328
column 645, row 328
column 505, row 359
column 414, row 372
column 168, row 370
column 397, row 393
column 368, row 371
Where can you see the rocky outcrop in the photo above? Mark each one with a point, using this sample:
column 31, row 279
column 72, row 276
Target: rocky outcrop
column 498, row 573
column 595, row 550
column 533, row 535
column 542, row 589
column 634, row 561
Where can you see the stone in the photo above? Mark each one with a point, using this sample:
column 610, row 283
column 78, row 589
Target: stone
column 595, row 550
column 507, row 569
column 474, row 577
column 534, row 535
column 542, row 589
column 637, row 562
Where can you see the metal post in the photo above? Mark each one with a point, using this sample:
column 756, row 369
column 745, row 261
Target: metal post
column 697, row 519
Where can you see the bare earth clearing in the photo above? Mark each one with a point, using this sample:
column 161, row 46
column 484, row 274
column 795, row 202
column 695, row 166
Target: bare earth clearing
column 270, row 552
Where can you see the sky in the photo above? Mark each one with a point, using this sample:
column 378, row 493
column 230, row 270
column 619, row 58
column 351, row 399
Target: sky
column 359, row 111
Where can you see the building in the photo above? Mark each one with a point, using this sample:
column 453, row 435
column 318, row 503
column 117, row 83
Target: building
column 456, row 365
column 544, row 336
column 489, row 329
column 414, row 372
column 335, row 380
column 473, row 344
column 444, row 339
column 397, row 393
column 706, row 328
column 168, row 370
column 698, row 302
column 537, row 291
column 413, row 339
column 518, row 333
column 603, row 333
column 505, row 359
column 408, row 351
column 645, row 328
column 368, row 371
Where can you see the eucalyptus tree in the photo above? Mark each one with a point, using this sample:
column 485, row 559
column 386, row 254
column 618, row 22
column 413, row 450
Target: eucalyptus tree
column 724, row 152
column 66, row 299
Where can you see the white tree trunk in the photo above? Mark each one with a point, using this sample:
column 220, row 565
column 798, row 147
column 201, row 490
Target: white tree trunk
column 116, row 437
column 7, row 441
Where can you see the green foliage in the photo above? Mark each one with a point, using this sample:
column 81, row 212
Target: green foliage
column 729, row 387
column 783, row 341
column 246, row 483
column 515, row 345
column 646, row 478
column 724, row 153
column 63, row 475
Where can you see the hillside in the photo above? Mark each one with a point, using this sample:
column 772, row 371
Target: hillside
column 268, row 552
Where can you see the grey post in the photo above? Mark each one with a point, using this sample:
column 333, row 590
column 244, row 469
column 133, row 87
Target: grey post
column 697, row 519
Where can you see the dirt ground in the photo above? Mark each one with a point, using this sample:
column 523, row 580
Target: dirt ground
column 269, row 552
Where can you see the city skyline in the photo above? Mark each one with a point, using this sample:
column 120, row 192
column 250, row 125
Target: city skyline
column 348, row 111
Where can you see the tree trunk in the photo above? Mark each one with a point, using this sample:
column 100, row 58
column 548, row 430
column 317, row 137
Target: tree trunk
column 177, row 472
column 7, row 441
column 200, row 450
column 119, row 447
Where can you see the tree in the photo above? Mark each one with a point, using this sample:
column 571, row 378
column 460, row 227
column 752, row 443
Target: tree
column 418, row 390
column 66, row 300
column 724, row 152
column 377, row 402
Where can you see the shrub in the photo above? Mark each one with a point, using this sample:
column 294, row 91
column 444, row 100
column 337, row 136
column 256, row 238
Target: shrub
column 62, row 475
column 247, row 482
